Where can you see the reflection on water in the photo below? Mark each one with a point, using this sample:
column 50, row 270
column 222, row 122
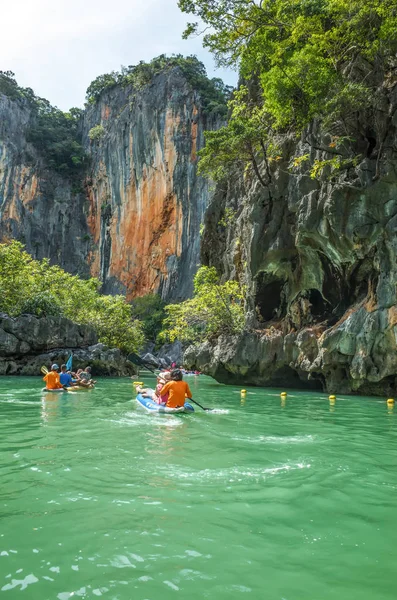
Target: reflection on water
column 270, row 497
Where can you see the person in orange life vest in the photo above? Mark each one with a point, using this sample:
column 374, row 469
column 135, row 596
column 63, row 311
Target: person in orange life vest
column 177, row 390
column 52, row 379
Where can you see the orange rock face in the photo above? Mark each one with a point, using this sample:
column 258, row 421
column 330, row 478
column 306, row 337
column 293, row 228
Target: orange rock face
column 134, row 219
column 146, row 201
column 146, row 228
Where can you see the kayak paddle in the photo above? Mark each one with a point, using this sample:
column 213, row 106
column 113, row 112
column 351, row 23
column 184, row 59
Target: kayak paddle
column 134, row 358
column 195, row 402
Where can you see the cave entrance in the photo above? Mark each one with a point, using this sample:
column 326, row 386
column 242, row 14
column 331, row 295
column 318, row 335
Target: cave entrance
column 269, row 297
column 319, row 307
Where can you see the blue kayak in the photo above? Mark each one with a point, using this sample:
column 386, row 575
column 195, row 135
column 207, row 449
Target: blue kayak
column 151, row 406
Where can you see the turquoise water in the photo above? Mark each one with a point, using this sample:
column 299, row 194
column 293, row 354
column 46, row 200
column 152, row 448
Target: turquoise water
column 273, row 500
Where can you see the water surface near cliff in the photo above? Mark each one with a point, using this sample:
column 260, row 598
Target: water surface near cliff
column 283, row 501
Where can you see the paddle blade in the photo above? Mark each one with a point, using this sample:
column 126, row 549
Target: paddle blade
column 44, row 370
column 69, row 363
column 198, row 404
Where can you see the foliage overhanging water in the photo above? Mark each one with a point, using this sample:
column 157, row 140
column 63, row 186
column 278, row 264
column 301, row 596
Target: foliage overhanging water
column 289, row 500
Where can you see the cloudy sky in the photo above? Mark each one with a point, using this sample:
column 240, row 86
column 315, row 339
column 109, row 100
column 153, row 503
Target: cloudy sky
column 57, row 47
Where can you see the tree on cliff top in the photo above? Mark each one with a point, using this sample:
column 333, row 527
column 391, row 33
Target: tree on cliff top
column 54, row 133
column 214, row 93
column 300, row 60
column 36, row 287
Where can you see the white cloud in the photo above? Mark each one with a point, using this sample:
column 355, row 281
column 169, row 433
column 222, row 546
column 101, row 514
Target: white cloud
column 58, row 48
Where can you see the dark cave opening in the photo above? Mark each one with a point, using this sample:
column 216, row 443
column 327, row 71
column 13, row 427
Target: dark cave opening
column 331, row 290
column 371, row 145
column 362, row 279
column 370, row 136
column 268, row 298
column 319, row 307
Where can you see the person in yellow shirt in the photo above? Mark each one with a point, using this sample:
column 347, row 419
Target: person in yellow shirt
column 52, row 379
column 177, row 390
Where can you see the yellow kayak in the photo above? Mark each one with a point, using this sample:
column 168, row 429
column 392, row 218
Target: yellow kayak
column 75, row 388
column 80, row 388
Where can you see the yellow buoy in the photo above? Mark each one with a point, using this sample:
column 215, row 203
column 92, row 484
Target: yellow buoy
column 390, row 401
column 283, row 394
column 332, row 398
column 243, row 391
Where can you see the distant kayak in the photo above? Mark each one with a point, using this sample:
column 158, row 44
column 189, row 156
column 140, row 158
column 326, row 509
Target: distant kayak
column 80, row 388
column 75, row 388
column 151, row 406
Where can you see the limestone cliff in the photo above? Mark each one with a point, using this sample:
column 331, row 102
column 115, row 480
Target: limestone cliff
column 38, row 206
column 146, row 200
column 133, row 218
column 319, row 258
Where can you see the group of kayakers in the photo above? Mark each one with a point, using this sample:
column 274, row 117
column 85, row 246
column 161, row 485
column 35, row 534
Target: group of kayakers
column 56, row 380
column 183, row 370
column 170, row 391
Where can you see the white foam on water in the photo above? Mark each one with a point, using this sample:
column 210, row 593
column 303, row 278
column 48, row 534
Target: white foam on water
column 28, row 580
column 137, row 557
column 24, row 402
column 274, row 439
column 171, row 585
column 193, row 553
column 241, row 588
column 234, row 474
column 122, row 562
column 131, row 420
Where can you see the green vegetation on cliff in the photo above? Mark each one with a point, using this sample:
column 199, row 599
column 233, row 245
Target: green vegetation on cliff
column 150, row 310
column 54, row 133
column 213, row 92
column 35, row 287
column 216, row 308
column 300, row 60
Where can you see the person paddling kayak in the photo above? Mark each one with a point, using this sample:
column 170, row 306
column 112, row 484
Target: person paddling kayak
column 177, row 390
column 65, row 378
column 52, row 379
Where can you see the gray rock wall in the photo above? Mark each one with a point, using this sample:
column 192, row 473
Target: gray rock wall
column 319, row 259
column 37, row 206
column 27, row 343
